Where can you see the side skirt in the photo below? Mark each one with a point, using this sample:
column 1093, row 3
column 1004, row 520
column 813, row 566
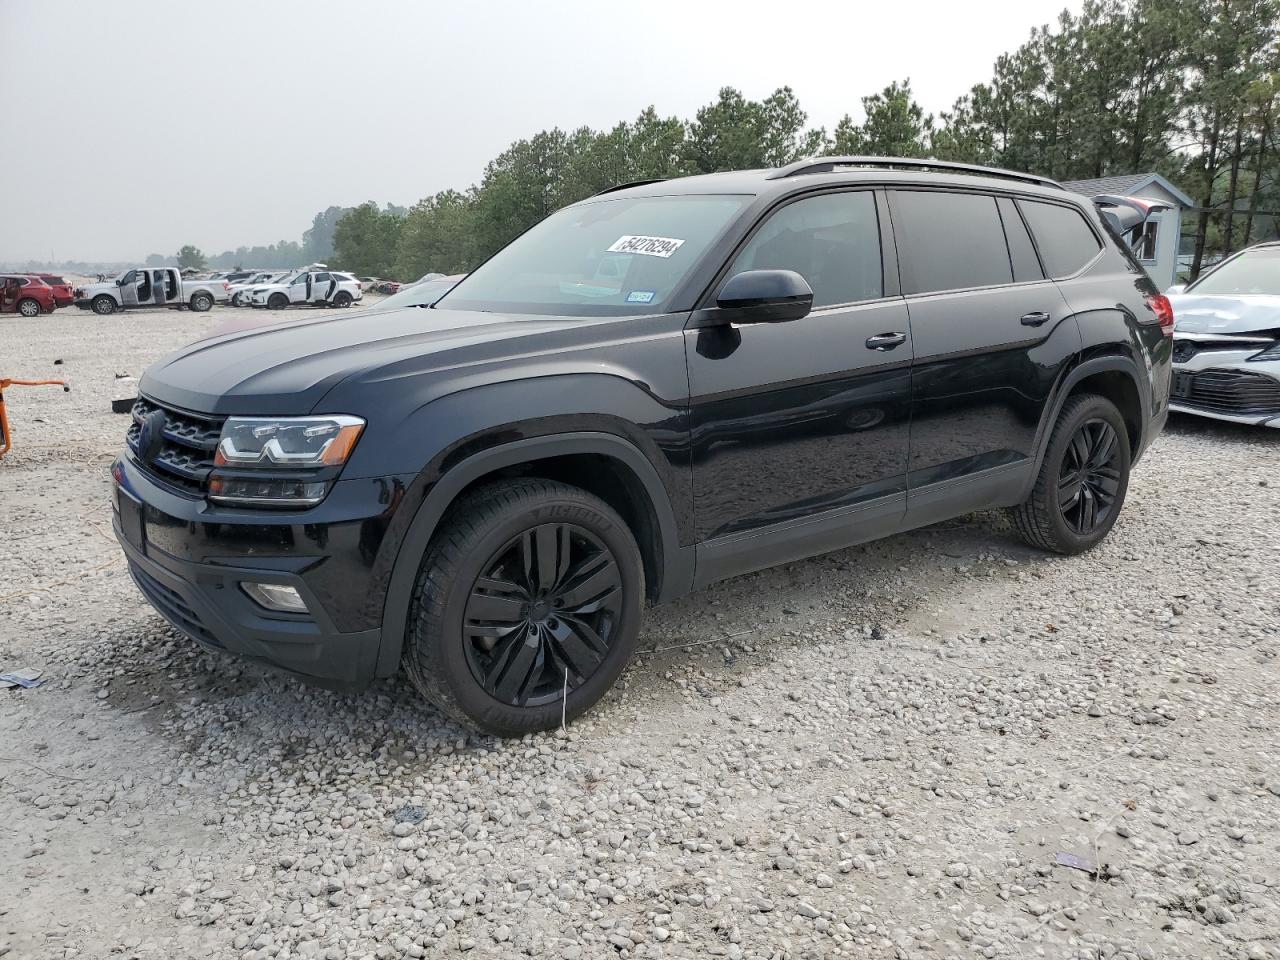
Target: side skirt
column 735, row 554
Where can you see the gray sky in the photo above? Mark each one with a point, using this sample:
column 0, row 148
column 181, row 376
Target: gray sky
column 229, row 122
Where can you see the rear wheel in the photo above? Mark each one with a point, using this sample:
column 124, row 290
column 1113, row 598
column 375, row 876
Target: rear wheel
column 201, row 302
column 28, row 307
column 342, row 299
column 103, row 305
column 1082, row 481
column 527, row 607
column 277, row 301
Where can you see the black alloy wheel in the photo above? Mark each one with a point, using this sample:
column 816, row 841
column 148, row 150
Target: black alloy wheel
column 527, row 606
column 1089, row 480
column 541, row 616
column 1082, row 480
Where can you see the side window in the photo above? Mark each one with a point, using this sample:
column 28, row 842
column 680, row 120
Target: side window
column 949, row 241
column 300, row 278
column 1022, row 254
column 832, row 240
column 322, row 278
column 129, row 277
column 1063, row 237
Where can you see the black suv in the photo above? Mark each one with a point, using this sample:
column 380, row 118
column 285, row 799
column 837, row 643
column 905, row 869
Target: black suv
column 661, row 386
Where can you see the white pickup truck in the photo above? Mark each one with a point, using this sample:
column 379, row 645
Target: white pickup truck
column 151, row 287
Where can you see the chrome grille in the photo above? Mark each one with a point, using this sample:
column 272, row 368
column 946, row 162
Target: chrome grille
column 185, row 455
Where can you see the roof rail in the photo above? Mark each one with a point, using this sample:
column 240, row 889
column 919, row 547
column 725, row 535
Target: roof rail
column 623, row 186
column 829, row 165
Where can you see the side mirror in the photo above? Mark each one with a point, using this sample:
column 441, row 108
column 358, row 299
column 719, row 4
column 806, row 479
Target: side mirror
column 1176, row 288
column 760, row 296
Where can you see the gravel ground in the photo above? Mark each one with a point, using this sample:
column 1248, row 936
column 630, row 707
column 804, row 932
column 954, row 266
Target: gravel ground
column 876, row 753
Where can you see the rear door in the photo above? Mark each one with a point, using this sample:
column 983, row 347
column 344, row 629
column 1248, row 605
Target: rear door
column 990, row 335
column 807, row 420
column 322, row 288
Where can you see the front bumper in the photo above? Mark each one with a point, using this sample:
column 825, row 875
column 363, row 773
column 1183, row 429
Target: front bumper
column 191, row 571
column 1226, row 385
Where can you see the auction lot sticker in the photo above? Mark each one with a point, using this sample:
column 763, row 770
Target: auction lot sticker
column 649, row 246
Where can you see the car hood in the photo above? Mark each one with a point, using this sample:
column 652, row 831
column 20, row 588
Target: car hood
column 1224, row 314
column 288, row 368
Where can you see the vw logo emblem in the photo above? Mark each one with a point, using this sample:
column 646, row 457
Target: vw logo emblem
column 151, row 435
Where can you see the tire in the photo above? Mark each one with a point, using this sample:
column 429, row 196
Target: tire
column 277, row 301
column 237, row 300
column 103, row 305
column 455, row 653
column 342, row 299
column 201, row 302
column 1072, row 509
column 28, row 307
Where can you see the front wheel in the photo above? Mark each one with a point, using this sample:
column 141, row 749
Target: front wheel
column 201, row 302
column 527, row 607
column 29, row 307
column 1082, row 481
column 277, row 301
column 104, row 305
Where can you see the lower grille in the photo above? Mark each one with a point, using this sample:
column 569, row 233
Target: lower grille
column 170, row 605
column 181, row 456
column 1233, row 392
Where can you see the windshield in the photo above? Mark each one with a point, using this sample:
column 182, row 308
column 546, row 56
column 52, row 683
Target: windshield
column 420, row 294
column 612, row 257
column 1254, row 271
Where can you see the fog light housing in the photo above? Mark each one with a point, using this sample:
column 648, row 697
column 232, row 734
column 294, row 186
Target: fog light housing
column 275, row 596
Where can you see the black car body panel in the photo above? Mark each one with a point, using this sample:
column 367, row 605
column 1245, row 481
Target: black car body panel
column 738, row 446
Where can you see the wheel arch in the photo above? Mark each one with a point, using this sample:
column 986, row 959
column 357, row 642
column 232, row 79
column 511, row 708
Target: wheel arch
column 1114, row 376
column 604, row 464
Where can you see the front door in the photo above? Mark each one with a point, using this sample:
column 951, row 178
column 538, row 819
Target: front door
column 806, row 420
column 129, row 287
column 300, row 289
column 990, row 334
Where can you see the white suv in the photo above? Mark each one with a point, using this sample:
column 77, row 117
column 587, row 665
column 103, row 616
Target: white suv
column 320, row 288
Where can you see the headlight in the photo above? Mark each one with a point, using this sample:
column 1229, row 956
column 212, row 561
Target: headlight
column 281, row 461
column 1271, row 353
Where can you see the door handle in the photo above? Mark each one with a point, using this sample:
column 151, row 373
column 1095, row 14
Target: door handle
column 886, row 341
column 1034, row 319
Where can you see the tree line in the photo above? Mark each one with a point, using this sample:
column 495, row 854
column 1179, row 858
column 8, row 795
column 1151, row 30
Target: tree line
column 1186, row 88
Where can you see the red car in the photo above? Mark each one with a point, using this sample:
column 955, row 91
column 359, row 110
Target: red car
column 28, row 296
column 64, row 294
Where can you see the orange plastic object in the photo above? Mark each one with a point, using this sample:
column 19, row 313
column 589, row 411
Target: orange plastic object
column 6, row 436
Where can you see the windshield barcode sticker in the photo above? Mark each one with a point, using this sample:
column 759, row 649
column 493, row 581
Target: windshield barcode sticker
column 649, row 246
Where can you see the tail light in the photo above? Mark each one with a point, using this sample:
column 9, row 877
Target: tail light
column 227, row 286
column 1163, row 310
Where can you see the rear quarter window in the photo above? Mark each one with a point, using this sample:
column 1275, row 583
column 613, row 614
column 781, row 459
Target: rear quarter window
column 1063, row 236
column 949, row 241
